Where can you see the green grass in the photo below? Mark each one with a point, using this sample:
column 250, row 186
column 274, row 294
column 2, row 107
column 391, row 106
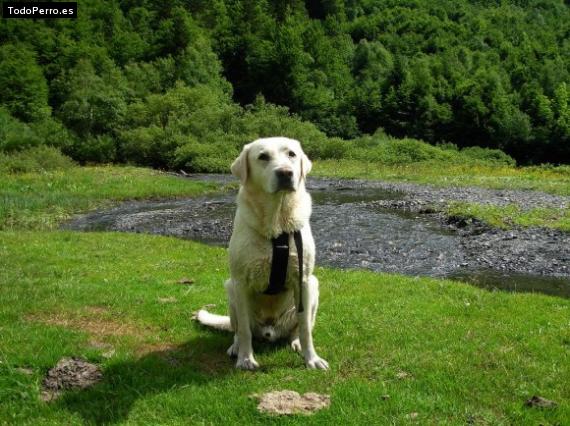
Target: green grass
column 512, row 215
column 41, row 200
column 554, row 180
column 470, row 355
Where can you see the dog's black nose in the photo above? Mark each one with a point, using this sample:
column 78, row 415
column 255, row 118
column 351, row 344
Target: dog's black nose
column 284, row 174
column 284, row 178
column 267, row 334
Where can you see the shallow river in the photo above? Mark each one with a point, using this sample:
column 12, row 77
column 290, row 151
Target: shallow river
column 350, row 232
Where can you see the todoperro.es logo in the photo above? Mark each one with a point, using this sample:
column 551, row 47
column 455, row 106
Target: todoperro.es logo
column 22, row 10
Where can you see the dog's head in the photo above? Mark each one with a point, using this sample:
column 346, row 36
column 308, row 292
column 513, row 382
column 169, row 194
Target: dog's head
column 272, row 165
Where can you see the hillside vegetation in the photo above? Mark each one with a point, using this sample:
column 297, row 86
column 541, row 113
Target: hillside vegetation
column 184, row 84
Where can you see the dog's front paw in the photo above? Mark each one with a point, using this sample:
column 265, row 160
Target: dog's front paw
column 296, row 345
column 233, row 350
column 317, row 363
column 247, row 363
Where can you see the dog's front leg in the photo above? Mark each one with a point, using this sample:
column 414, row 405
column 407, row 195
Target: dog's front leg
column 306, row 322
column 245, row 359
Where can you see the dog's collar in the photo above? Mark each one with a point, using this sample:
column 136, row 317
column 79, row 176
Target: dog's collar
column 280, row 261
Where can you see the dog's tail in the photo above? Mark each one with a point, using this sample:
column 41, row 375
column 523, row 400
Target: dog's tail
column 218, row 322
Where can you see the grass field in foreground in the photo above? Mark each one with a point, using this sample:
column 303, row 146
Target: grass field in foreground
column 449, row 352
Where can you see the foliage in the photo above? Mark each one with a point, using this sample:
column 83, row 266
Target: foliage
column 16, row 135
column 24, row 88
column 37, row 159
column 139, row 81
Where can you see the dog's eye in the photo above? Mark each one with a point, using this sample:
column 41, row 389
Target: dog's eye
column 263, row 157
column 292, row 154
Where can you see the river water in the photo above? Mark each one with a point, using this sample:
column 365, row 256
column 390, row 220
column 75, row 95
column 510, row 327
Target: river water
column 351, row 231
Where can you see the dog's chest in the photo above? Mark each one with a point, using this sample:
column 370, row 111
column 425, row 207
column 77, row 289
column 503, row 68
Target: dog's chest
column 257, row 269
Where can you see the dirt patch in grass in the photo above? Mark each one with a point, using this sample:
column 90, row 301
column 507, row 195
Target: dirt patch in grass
column 96, row 310
column 164, row 349
column 540, row 402
column 69, row 373
column 287, row 402
column 96, row 322
column 91, row 320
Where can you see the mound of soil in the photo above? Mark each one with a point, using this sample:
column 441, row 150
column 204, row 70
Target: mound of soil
column 287, row 402
column 540, row 402
column 69, row 373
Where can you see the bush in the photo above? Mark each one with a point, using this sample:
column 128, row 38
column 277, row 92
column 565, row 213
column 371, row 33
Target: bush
column 93, row 149
column 486, row 155
column 15, row 135
column 145, row 146
column 334, row 148
column 53, row 133
column 37, row 159
column 393, row 151
column 198, row 157
column 266, row 120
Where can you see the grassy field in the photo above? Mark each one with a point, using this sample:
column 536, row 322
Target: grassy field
column 41, row 200
column 449, row 352
column 553, row 180
column 512, row 215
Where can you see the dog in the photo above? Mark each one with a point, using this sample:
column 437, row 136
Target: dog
column 272, row 200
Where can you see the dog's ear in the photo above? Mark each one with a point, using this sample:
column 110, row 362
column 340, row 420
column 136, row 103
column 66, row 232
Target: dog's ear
column 306, row 165
column 240, row 167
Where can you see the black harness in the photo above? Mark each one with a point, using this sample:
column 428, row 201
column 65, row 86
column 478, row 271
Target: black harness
column 279, row 263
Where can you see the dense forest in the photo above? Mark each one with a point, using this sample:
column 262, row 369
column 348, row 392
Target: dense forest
column 184, row 83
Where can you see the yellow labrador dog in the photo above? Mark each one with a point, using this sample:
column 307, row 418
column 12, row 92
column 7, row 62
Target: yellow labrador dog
column 272, row 202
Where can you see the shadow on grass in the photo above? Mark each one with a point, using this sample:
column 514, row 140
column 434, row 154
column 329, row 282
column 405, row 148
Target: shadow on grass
column 199, row 361
column 196, row 362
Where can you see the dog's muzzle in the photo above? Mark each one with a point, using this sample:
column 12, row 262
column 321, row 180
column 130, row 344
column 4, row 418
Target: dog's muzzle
column 284, row 179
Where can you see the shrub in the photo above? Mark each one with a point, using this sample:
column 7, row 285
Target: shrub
column 334, row 148
column 36, row 159
column 15, row 135
column 144, row 145
column 486, row 155
column 52, row 133
column 199, row 157
column 265, row 120
column 93, row 149
column 404, row 151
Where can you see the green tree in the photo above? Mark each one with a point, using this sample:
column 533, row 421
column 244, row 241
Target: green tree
column 24, row 87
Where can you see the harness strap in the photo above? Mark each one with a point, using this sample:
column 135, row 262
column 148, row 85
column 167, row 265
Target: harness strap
column 279, row 263
column 299, row 244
